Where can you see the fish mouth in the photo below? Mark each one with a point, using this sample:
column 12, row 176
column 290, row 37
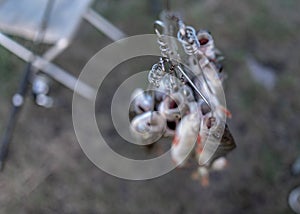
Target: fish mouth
column 171, row 125
column 204, row 38
column 173, row 104
column 203, row 41
column 173, row 107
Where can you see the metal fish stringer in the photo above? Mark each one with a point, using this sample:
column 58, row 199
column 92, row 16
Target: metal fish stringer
column 187, row 101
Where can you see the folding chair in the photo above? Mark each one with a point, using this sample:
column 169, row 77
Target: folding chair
column 60, row 20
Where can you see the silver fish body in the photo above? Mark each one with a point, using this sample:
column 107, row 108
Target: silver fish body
column 173, row 107
column 207, row 46
column 141, row 101
column 185, row 139
column 148, row 127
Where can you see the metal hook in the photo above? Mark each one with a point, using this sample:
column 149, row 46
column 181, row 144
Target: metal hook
column 193, row 85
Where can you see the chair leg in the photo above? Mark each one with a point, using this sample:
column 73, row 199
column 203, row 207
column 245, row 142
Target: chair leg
column 49, row 68
column 103, row 25
column 57, row 49
column 18, row 101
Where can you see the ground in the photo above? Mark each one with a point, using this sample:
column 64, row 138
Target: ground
column 47, row 172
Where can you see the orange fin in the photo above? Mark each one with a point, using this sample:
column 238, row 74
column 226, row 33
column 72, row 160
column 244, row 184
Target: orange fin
column 226, row 111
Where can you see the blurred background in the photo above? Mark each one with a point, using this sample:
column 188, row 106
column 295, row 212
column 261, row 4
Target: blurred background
column 47, row 172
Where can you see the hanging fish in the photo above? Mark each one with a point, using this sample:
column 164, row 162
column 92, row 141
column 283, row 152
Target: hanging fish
column 207, row 46
column 217, row 134
column 202, row 173
column 219, row 164
column 227, row 144
column 148, row 127
column 173, row 107
column 141, row 101
column 187, row 101
column 185, row 138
